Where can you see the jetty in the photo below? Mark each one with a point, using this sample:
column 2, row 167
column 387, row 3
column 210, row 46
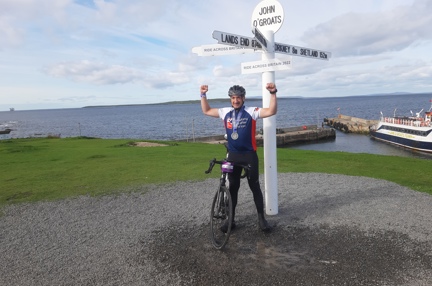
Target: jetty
column 350, row 124
column 284, row 136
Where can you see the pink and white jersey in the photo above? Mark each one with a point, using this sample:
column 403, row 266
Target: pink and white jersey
column 243, row 122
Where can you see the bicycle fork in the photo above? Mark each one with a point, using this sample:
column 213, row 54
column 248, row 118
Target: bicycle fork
column 223, row 198
column 222, row 203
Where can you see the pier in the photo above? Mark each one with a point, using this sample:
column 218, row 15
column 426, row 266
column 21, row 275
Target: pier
column 284, row 136
column 350, row 124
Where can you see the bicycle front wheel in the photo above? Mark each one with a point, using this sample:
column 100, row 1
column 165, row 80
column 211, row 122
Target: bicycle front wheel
column 221, row 212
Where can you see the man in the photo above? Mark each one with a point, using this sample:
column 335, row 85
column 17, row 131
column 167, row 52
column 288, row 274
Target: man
column 240, row 126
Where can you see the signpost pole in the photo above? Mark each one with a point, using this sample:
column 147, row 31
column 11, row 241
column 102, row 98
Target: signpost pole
column 269, row 127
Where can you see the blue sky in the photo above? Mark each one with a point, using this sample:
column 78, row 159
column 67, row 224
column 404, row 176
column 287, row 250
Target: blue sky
column 74, row 53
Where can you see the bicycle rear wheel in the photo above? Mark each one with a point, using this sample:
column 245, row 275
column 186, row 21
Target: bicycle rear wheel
column 221, row 211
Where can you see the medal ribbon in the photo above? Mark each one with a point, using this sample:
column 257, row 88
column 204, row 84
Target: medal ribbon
column 234, row 119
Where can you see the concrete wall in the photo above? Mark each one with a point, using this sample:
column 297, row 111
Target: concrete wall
column 284, row 136
column 349, row 124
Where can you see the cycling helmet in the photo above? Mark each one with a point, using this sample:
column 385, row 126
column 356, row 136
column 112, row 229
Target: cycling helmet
column 236, row 90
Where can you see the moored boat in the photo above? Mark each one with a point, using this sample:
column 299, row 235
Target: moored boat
column 5, row 131
column 413, row 132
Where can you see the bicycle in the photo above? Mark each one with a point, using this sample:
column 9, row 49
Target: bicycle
column 221, row 209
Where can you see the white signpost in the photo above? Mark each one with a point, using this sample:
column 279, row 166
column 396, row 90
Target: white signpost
column 267, row 18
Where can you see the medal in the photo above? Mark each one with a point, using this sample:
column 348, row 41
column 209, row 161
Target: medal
column 235, row 122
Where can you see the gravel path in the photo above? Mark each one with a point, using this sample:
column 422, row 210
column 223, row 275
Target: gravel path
column 330, row 230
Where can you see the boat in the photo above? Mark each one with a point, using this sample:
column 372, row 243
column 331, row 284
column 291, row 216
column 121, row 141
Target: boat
column 413, row 132
column 5, row 131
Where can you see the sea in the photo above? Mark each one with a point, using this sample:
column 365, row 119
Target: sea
column 185, row 120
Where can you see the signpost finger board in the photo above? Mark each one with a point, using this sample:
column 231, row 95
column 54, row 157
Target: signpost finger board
column 264, row 66
column 219, row 50
column 301, row 52
column 236, row 40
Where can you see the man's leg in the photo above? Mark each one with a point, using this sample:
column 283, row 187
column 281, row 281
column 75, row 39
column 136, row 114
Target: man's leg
column 255, row 187
column 234, row 186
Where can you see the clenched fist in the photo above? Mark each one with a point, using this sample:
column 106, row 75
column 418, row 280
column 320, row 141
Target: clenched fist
column 271, row 87
column 204, row 89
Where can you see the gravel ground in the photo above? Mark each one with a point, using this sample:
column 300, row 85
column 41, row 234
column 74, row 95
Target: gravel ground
column 330, row 230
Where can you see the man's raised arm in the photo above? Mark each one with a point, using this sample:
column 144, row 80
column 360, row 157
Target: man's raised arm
column 272, row 109
column 205, row 106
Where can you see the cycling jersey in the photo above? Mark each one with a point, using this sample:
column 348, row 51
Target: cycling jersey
column 242, row 122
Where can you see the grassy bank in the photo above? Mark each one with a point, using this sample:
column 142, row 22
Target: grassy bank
column 47, row 169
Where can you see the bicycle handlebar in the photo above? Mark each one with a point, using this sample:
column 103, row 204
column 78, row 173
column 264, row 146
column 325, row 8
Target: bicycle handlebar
column 214, row 161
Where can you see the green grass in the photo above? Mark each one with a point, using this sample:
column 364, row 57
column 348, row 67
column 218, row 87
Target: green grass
column 410, row 172
column 47, row 169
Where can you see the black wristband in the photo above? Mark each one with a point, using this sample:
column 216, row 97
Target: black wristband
column 274, row 92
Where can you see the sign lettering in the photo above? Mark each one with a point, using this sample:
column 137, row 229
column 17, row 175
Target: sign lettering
column 220, row 50
column 268, row 16
column 301, row 52
column 236, row 40
column 267, row 10
column 260, row 38
column 264, row 66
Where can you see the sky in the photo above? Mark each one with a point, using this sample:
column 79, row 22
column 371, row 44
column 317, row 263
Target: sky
column 75, row 53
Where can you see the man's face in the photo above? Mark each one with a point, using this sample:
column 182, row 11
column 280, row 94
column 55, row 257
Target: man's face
column 237, row 101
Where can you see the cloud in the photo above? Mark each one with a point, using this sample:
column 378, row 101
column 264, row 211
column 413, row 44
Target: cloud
column 11, row 36
column 64, row 19
column 126, row 14
column 222, row 71
column 362, row 80
column 74, row 99
column 94, row 73
column 113, row 47
column 97, row 73
column 374, row 33
column 166, row 80
column 19, row 18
